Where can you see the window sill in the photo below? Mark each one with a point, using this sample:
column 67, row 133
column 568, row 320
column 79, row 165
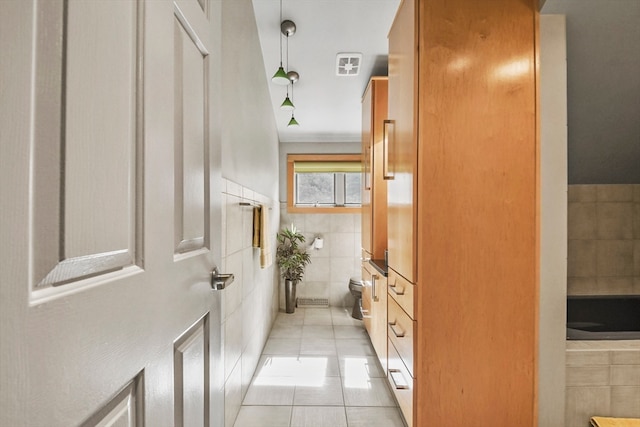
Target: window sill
column 324, row 210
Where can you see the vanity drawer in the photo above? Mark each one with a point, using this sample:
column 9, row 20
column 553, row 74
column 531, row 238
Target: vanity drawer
column 401, row 290
column 401, row 331
column 401, row 383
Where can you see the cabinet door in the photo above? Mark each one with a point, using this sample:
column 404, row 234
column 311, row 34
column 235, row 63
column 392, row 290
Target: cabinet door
column 374, row 304
column 401, row 143
column 378, row 183
column 367, row 177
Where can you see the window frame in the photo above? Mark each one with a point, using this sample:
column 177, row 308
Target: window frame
column 292, row 158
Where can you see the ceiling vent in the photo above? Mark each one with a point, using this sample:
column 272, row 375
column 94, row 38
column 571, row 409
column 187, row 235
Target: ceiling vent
column 348, row 64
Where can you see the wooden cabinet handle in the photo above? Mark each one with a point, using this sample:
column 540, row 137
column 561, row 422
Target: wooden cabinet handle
column 374, row 295
column 387, row 140
column 395, row 290
column 398, row 379
column 392, row 326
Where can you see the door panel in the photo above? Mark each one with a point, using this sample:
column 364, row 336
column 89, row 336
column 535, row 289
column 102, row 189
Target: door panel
column 101, row 321
column 191, row 376
column 90, row 220
column 191, row 141
column 126, row 409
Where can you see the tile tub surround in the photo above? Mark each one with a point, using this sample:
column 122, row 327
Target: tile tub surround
column 331, row 267
column 603, row 379
column 604, row 240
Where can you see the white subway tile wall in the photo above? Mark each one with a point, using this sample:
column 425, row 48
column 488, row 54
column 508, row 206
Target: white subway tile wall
column 604, row 239
column 327, row 276
column 603, row 379
column 250, row 303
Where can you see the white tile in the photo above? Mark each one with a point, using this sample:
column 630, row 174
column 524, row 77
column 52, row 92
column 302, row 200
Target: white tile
column 587, row 357
column 582, row 193
column 286, row 330
column 318, row 416
column 234, row 225
column 295, row 318
column 233, row 294
column 250, row 262
column 343, row 223
column 625, row 357
column 371, row 392
column 354, row 368
column 354, row 347
column 267, row 416
column 342, row 245
column 282, row 346
column 614, row 192
column 263, row 392
column 317, row 223
column 232, row 397
column 584, row 402
column 349, row 331
column 587, row 376
column 374, row 417
column 625, row 401
column 232, row 342
column 318, row 270
column 342, row 316
column 625, row 374
column 343, row 268
column 318, row 346
column 317, row 331
column 317, row 316
column 326, row 393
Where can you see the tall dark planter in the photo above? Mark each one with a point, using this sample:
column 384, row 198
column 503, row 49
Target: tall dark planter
column 290, row 296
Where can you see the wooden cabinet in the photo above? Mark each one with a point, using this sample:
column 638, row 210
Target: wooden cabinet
column 401, row 143
column 374, row 191
column 374, row 215
column 374, row 309
column 463, row 224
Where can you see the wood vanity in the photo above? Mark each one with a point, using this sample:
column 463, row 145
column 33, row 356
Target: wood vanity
column 456, row 157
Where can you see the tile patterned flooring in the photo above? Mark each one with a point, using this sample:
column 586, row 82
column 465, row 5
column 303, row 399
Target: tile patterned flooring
column 318, row 369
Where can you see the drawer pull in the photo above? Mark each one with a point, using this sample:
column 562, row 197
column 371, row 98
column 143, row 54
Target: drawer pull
column 395, row 290
column 398, row 379
column 395, row 332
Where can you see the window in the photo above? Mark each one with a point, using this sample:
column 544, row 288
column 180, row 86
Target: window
column 323, row 182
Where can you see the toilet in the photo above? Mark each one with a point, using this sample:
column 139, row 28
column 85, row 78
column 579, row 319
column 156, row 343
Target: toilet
column 355, row 286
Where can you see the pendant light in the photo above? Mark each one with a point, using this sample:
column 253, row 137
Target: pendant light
column 287, row 104
column 293, row 121
column 280, row 77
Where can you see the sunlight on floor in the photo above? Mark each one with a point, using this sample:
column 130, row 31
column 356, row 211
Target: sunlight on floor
column 356, row 373
column 300, row 371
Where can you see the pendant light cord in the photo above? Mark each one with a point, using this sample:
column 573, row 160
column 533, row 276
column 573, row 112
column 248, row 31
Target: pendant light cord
column 280, row 34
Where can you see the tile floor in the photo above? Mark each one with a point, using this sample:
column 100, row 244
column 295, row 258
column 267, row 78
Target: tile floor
column 318, row 369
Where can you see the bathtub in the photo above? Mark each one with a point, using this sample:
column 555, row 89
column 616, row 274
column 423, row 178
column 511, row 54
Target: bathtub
column 603, row 317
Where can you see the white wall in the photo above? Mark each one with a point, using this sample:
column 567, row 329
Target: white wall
column 553, row 221
column 249, row 164
column 249, row 135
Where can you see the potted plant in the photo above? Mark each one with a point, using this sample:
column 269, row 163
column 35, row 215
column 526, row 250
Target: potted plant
column 292, row 260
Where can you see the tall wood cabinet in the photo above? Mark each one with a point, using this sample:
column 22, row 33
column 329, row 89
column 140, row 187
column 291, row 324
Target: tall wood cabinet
column 462, row 149
column 374, row 216
column 374, row 193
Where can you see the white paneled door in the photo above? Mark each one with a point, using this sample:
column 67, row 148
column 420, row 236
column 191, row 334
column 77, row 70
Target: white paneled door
column 110, row 214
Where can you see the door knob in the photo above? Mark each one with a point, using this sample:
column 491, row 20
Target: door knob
column 220, row 281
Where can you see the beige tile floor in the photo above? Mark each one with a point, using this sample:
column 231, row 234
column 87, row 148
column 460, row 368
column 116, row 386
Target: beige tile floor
column 318, row 369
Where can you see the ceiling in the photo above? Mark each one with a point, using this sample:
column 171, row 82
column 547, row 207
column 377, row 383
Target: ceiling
column 327, row 106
